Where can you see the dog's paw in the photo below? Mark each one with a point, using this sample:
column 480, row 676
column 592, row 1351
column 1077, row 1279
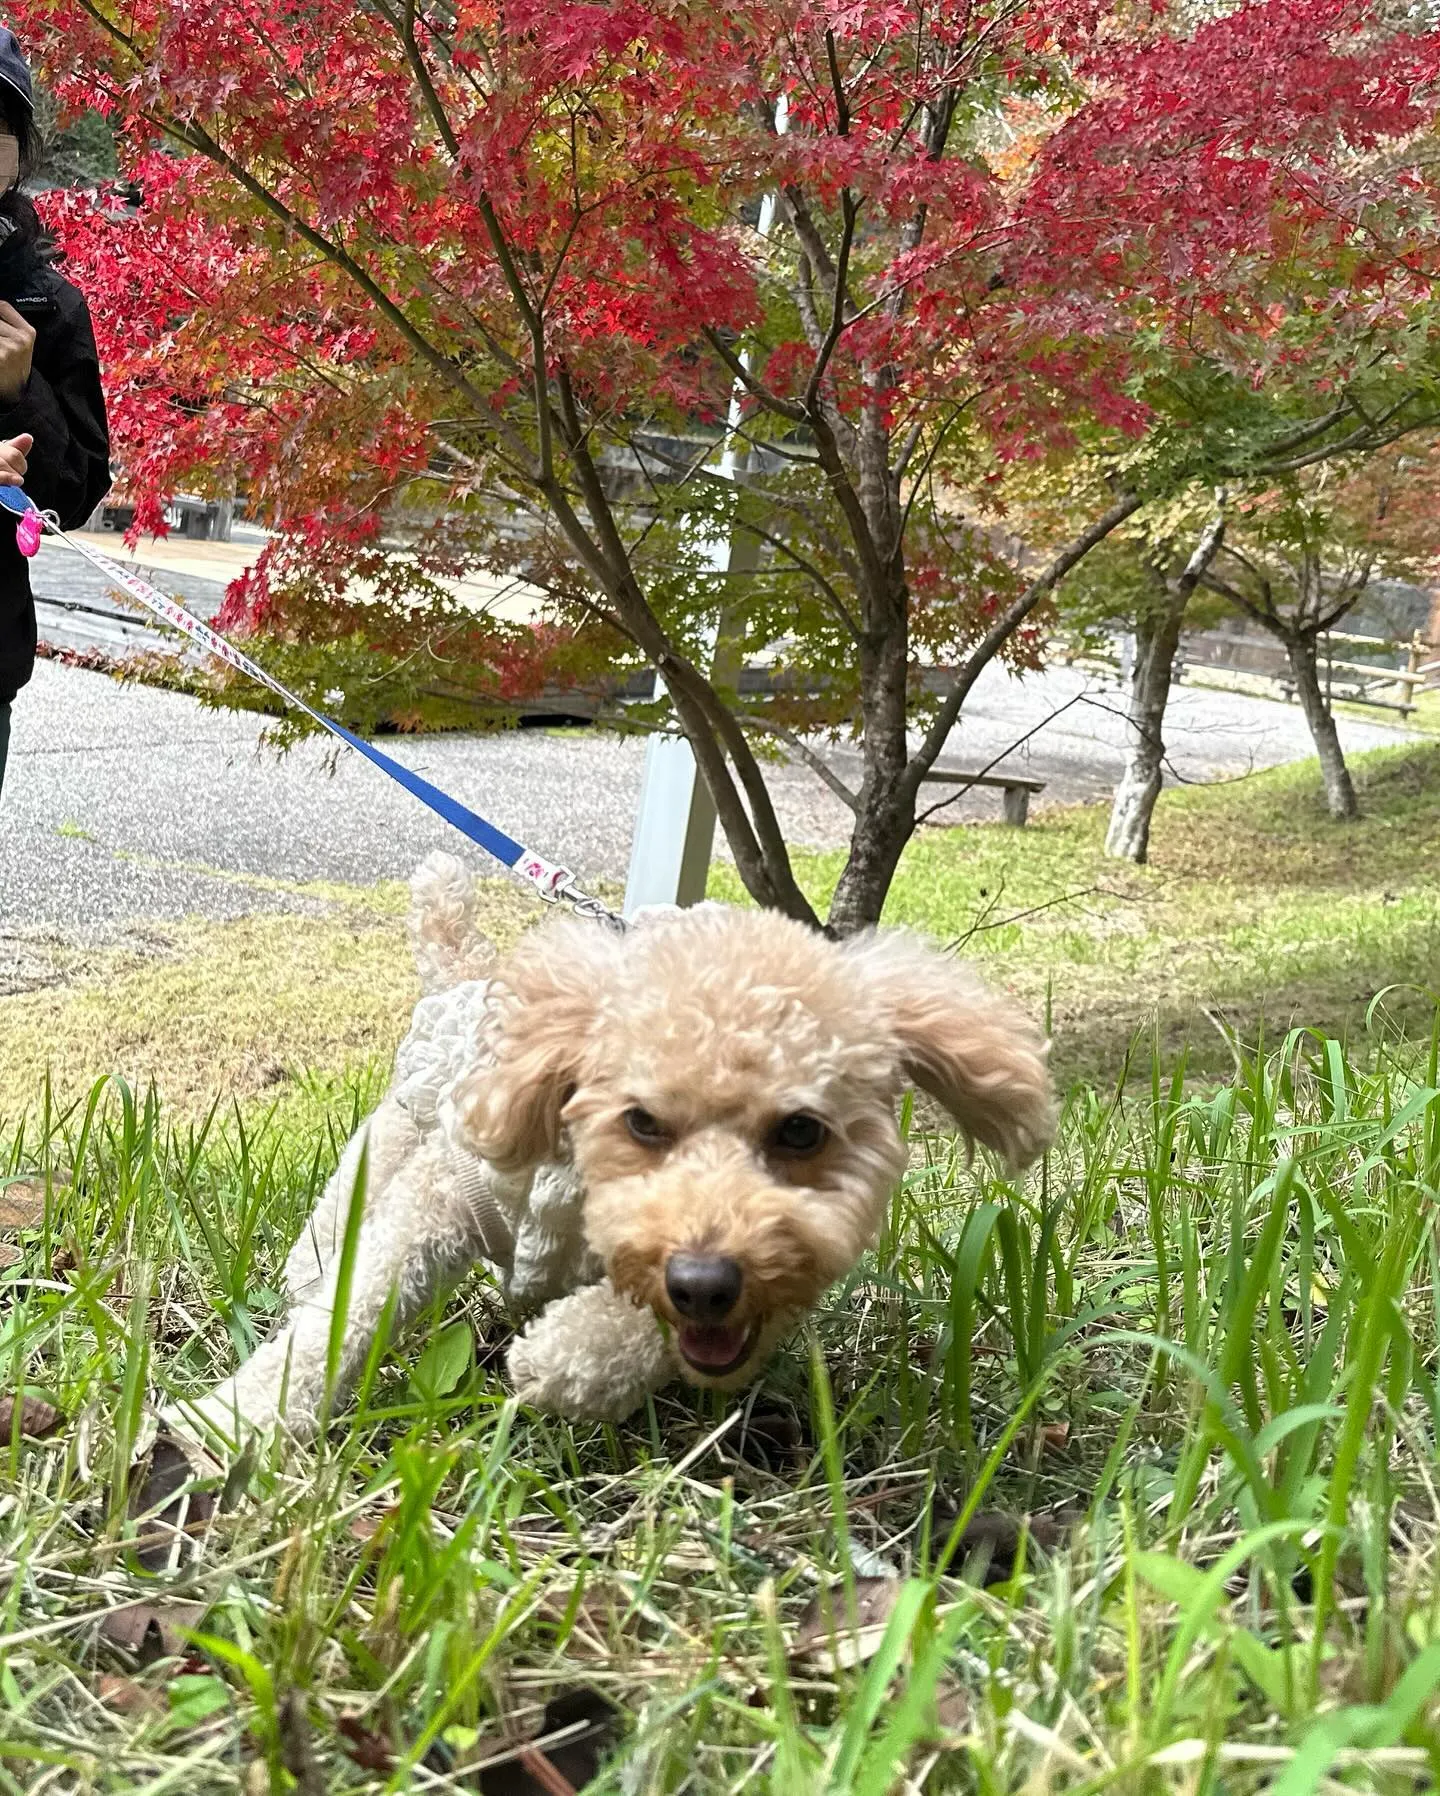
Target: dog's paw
column 593, row 1355
column 213, row 1429
column 262, row 1399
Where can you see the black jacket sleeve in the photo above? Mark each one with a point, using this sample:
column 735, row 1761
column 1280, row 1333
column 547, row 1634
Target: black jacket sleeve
column 63, row 408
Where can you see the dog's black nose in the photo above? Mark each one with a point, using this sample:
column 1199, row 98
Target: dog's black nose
column 704, row 1287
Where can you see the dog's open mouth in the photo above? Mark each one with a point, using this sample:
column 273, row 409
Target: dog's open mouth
column 716, row 1348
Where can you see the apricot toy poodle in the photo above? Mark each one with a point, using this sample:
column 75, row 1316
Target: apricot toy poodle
column 665, row 1144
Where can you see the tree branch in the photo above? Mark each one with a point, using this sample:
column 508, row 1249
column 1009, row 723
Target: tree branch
column 806, row 567
column 807, row 233
column 784, row 408
column 969, row 785
column 837, row 86
column 757, row 840
column 849, row 212
column 1003, row 629
column 1266, row 619
column 1361, row 440
column 803, row 752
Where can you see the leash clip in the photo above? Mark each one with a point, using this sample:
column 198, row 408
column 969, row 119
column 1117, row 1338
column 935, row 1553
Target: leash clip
column 556, row 885
column 591, row 908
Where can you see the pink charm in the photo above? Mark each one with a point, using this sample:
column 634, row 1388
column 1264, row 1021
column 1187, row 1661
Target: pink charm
column 28, row 533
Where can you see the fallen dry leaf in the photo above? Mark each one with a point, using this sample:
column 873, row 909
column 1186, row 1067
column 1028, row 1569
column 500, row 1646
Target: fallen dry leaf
column 578, row 1729
column 127, row 1697
column 37, row 1418
column 366, row 1746
column 147, row 1631
column 772, row 1439
column 22, row 1204
column 824, row 1635
column 367, row 1527
column 1044, row 1439
column 165, row 1510
column 600, row 1605
column 993, row 1539
column 953, row 1708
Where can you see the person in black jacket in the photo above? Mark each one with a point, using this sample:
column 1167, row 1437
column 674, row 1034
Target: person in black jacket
column 53, row 434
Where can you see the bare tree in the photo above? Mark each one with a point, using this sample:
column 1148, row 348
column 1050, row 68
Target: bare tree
column 1157, row 640
column 1297, row 570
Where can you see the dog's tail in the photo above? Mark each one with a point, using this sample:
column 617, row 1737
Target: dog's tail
column 448, row 947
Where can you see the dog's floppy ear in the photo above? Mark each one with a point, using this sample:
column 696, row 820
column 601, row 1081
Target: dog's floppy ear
column 546, row 997
column 975, row 1052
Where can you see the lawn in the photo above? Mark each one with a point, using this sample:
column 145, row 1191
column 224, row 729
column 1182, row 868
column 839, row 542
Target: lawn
column 1256, row 911
column 1197, row 1351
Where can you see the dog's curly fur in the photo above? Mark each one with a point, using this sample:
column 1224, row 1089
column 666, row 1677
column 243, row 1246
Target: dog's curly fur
column 718, row 1024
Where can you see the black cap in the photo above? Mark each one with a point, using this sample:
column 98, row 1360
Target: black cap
column 14, row 72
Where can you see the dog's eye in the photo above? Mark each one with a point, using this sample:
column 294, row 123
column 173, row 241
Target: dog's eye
column 645, row 1128
column 798, row 1134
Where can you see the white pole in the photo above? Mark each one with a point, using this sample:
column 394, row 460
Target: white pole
column 675, row 823
column 674, row 829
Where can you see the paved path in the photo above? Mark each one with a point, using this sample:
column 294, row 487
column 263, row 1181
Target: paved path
column 79, row 608
column 125, row 803
column 76, row 606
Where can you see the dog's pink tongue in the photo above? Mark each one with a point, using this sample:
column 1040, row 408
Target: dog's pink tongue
column 710, row 1345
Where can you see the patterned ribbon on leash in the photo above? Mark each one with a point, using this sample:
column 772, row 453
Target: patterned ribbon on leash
column 556, row 885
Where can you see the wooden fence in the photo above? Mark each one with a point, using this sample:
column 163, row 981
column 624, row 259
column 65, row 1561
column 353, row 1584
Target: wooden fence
column 1412, row 666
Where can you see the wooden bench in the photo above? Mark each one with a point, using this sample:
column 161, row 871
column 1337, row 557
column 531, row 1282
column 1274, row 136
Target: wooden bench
column 1017, row 790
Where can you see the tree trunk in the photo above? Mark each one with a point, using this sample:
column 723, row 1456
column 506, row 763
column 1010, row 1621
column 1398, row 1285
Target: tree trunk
column 883, row 825
column 885, row 816
column 1157, row 639
column 1302, row 652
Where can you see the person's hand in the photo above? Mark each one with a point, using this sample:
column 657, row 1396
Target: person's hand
column 13, row 451
column 17, row 346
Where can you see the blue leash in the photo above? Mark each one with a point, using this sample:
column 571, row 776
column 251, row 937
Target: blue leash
column 555, row 884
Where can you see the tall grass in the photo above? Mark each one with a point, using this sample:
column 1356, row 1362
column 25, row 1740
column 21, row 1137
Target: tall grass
column 1198, row 1349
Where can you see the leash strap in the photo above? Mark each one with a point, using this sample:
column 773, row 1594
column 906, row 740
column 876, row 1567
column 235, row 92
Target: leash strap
column 555, row 884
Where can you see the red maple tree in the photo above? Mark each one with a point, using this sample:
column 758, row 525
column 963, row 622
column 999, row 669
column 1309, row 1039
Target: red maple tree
column 499, row 283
